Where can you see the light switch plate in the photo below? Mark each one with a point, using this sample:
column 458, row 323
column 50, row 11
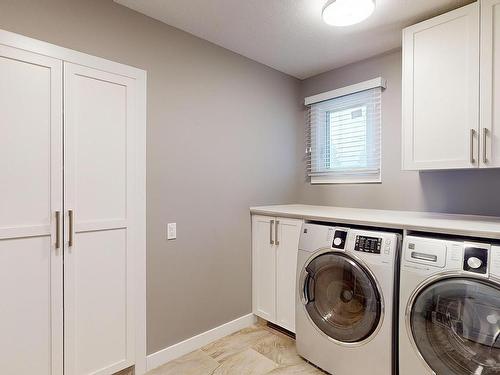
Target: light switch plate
column 171, row 231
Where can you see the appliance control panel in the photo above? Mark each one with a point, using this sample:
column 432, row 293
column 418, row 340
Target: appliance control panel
column 376, row 246
column 373, row 246
column 368, row 244
column 435, row 254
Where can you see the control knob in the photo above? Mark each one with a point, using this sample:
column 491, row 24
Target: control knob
column 474, row 262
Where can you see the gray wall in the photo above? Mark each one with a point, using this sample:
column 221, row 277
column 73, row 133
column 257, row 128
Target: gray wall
column 221, row 136
column 470, row 192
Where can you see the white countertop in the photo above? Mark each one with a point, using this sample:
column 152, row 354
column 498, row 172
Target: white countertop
column 465, row 225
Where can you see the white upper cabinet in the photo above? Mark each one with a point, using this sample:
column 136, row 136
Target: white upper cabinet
column 441, row 91
column 490, row 84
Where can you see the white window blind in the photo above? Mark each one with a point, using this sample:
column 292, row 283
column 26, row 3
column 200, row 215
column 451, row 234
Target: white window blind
column 344, row 138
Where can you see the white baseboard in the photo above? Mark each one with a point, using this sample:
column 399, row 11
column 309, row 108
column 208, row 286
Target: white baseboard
column 187, row 346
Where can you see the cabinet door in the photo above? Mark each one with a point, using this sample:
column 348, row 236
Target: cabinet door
column 287, row 241
column 490, row 84
column 441, row 91
column 99, row 171
column 31, row 274
column 264, row 267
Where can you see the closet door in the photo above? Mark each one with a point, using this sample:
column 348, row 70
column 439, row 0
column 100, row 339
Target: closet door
column 99, row 171
column 31, row 311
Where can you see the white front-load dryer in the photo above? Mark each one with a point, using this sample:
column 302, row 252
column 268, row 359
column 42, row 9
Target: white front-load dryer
column 344, row 304
column 450, row 307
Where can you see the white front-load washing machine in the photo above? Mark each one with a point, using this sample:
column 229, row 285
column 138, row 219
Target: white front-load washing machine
column 344, row 304
column 450, row 307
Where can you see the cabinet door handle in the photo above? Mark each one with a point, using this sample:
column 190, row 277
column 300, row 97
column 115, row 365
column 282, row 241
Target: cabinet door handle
column 271, row 223
column 70, row 240
column 472, row 134
column 485, row 153
column 58, row 229
column 276, row 233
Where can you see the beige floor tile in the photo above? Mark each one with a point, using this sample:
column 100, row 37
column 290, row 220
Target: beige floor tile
column 127, row 371
column 300, row 369
column 236, row 343
column 195, row 363
column 278, row 348
column 260, row 322
column 248, row 362
column 257, row 350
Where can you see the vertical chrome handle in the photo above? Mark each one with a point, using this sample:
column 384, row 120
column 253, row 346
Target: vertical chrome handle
column 304, row 281
column 276, row 233
column 485, row 153
column 70, row 240
column 58, row 229
column 271, row 223
column 472, row 134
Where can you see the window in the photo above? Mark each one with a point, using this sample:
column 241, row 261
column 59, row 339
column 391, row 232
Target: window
column 344, row 137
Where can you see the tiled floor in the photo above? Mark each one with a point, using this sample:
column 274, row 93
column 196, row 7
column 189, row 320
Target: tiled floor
column 256, row 350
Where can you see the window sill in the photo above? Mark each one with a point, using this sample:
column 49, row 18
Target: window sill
column 330, row 180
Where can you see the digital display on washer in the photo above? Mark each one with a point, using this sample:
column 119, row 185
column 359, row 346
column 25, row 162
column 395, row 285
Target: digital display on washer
column 368, row 244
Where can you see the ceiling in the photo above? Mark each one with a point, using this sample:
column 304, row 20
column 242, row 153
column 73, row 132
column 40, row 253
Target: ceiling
column 289, row 35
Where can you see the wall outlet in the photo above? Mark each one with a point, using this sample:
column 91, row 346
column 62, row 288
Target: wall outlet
column 171, row 231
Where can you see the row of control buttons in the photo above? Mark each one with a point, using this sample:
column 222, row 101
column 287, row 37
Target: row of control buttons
column 387, row 250
column 365, row 244
column 368, row 244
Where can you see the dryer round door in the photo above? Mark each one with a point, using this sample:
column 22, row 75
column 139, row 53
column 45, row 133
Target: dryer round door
column 455, row 325
column 342, row 298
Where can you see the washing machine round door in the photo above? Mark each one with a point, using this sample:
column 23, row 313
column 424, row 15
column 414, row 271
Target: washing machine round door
column 342, row 298
column 455, row 324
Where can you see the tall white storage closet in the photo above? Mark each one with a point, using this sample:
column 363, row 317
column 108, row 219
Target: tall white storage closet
column 71, row 211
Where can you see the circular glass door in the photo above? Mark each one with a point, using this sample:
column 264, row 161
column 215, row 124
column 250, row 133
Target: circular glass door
column 455, row 324
column 342, row 298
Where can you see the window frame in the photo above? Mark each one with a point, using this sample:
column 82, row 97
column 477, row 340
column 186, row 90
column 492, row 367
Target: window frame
column 365, row 176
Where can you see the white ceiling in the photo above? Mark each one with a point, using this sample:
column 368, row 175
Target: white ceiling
column 289, row 35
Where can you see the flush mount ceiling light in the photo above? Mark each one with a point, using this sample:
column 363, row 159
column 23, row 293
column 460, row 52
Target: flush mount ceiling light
column 347, row 12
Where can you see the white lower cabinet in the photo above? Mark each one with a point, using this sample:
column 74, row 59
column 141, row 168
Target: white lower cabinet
column 263, row 268
column 275, row 243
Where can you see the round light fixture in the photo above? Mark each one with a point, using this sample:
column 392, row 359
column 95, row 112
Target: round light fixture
column 347, row 12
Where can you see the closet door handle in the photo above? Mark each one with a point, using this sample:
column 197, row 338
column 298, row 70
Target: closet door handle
column 276, row 233
column 271, row 223
column 472, row 134
column 70, row 240
column 58, row 229
column 485, row 153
